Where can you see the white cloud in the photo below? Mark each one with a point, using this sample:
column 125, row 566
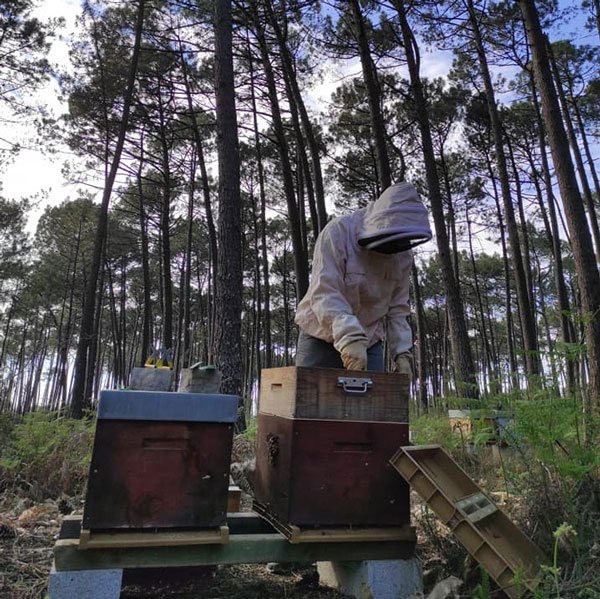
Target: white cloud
column 436, row 63
column 32, row 172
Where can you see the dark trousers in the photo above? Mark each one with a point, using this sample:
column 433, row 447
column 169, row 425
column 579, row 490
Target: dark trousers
column 316, row 353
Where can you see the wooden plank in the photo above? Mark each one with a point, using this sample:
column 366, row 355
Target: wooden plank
column 238, row 523
column 351, row 535
column 296, row 534
column 314, row 393
column 84, row 538
column 234, row 499
column 241, row 549
column 106, row 540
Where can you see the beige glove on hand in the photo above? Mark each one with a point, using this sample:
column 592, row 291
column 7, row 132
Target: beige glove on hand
column 354, row 356
column 404, row 364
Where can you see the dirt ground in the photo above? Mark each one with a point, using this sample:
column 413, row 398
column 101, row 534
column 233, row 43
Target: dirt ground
column 27, row 534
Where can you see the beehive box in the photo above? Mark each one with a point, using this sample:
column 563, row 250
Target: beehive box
column 325, row 437
column 332, row 394
column 160, row 460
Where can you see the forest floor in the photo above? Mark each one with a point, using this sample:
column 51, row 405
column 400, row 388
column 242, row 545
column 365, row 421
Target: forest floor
column 28, row 532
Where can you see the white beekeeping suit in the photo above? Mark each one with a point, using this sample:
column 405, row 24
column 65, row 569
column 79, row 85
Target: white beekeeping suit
column 361, row 276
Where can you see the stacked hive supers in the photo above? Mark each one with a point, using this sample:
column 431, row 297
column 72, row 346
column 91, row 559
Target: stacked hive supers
column 325, row 438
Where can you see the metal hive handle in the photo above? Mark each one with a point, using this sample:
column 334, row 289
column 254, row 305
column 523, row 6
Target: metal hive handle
column 354, row 385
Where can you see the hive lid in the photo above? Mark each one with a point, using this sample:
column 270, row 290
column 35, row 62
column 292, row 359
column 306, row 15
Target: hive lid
column 155, row 405
column 486, row 532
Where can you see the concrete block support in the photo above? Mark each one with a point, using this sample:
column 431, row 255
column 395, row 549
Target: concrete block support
column 373, row 579
column 88, row 584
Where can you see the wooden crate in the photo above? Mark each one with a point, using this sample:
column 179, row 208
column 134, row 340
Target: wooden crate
column 332, row 394
column 464, row 422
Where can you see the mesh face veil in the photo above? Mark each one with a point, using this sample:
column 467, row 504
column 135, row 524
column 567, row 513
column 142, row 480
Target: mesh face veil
column 392, row 244
column 396, row 222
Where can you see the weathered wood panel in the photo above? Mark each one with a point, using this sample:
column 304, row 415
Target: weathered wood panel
column 296, row 392
column 330, row 473
column 241, row 549
column 150, row 474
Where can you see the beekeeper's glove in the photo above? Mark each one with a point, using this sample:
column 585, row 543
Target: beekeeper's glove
column 354, row 356
column 404, row 364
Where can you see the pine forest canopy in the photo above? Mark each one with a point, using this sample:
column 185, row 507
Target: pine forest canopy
column 489, row 108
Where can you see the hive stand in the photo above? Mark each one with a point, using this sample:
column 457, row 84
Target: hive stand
column 98, row 573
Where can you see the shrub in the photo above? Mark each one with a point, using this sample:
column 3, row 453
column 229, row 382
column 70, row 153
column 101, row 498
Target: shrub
column 47, row 455
column 550, row 467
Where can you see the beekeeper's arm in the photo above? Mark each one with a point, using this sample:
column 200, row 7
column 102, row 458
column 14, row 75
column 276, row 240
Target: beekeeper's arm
column 399, row 333
column 329, row 304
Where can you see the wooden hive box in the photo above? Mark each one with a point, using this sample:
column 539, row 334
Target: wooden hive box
column 325, row 437
column 332, row 394
column 160, row 460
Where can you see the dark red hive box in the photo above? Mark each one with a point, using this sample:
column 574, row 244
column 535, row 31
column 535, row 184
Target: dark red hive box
column 160, row 460
column 325, row 438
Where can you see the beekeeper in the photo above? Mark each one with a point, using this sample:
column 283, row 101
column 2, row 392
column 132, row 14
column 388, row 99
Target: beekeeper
column 359, row 288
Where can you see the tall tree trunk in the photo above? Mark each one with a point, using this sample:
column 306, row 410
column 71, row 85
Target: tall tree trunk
column 210, row 221
column 147, row 318
column 165, row 229
column 123, row 318
column 527, row 317
column 596, row 5
column 559, row 277
column 583, row 251
column 421, row 341
column 466, row 380
column 300, row 256
column 79, row 400
column 115, row 329
column 572, row 137
column 527, row 263
column 263, row 224
column 514, row 371
column 187, row 303
column 229, row 268
column 257, row 286
column 288, row 67
column 302, row 169
column 586, row 148
column 487, row 354
column 93, row 372
column 369, row 70
column 9, row 317
column 451, row 220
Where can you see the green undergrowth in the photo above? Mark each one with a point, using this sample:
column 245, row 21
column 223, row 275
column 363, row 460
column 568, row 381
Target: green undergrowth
column 544, row 463
column 251, row 429
column 44, row 455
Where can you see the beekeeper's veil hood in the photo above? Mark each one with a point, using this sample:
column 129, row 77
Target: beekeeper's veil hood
column 396, row 221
